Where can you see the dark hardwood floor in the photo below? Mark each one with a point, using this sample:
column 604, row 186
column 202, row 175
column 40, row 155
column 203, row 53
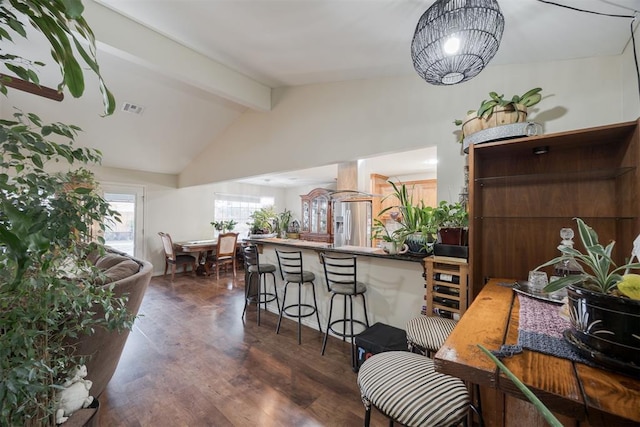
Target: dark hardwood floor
column 191, row 361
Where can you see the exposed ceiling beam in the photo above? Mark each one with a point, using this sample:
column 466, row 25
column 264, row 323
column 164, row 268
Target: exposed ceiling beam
column 134, row 42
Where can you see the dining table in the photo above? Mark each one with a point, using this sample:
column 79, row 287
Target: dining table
column 200, row 247
column 577, row 389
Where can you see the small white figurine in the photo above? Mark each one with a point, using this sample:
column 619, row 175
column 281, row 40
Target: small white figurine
column 74, row 396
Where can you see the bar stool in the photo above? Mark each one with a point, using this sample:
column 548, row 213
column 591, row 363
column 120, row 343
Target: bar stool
column 406, row 388
column 291, row 271
column 426, row 334
column 253, row 266
column 341, row 276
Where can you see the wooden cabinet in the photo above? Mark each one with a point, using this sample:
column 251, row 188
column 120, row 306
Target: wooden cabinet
column 316, row 216
column 425, row 190
column 446, row 289
column 523, row 191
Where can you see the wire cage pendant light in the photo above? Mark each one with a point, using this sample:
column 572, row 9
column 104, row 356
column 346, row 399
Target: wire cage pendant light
column 455, row 39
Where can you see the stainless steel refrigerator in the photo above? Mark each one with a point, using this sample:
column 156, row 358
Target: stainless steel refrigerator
column 352, row 223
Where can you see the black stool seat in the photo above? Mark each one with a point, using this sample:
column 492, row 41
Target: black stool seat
column 261, row 268
column 405, row 387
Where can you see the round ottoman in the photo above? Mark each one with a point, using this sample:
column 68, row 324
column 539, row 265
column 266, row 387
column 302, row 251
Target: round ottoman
column 428, row 333
column 405, row 387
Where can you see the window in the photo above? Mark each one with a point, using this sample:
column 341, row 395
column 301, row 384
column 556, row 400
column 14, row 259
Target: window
column 239, row 208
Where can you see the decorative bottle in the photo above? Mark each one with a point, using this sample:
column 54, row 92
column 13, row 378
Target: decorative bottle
column 568, row 266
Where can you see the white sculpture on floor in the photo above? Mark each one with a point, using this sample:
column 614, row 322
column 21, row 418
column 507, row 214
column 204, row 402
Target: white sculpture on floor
column 74, row 396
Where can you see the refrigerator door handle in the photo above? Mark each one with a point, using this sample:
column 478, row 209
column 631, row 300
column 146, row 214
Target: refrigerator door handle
column 347, row 225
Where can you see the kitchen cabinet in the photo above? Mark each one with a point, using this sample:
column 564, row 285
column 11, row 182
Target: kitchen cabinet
column 523, row 191
column 316, row 216
column 425, row 190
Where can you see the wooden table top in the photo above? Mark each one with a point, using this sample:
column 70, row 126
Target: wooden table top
column 196, row 245
column 569, row 388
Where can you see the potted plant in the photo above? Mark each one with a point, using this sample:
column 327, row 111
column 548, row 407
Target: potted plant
column 281, row 223
column 392, row 241
column 604, row 300
column 453, row 222
column 224, row 226
column 48, row 291
column 416, row 222
column 262, row 222
column 497, row 111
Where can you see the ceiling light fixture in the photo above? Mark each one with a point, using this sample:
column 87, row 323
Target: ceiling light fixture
column 455, row 39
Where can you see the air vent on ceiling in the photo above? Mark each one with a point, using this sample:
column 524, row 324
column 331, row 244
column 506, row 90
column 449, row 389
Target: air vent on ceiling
column 132, row 108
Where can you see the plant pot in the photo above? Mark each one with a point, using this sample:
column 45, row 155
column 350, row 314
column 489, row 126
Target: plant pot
column 418, row 243
column 85, row 417
column 453, row 236
column 506, row 116
column 608, row 324
column 500, row 116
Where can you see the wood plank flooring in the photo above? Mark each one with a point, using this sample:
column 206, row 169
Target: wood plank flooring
column 191, row 361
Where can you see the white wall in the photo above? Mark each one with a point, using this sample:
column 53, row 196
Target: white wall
column 184, row 213
column 330, row 123
column 629, row 84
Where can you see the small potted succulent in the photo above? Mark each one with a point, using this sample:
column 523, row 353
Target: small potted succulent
column 497, row 111
column 604, row 299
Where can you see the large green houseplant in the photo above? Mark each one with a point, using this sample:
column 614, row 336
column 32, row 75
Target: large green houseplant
column 416, row 223
column 47, row 293
column 604, row 299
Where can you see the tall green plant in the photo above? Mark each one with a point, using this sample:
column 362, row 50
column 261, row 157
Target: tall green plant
column 64, row 27
column 47, row 293
column 413, row 217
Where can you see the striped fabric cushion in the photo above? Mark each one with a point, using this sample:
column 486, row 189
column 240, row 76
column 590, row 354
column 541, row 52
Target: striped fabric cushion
column 405, row 387
column 429, row 332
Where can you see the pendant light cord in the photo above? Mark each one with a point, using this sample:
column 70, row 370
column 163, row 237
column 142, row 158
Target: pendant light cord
column 633, row 20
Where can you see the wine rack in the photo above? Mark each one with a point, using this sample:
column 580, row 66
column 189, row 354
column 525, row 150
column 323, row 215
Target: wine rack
column 446, row 287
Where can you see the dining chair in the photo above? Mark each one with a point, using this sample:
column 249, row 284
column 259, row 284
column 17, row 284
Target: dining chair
column 174, row 259
column 225, row 254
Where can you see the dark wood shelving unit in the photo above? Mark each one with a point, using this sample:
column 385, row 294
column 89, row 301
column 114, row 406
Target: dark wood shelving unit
column 519, row 200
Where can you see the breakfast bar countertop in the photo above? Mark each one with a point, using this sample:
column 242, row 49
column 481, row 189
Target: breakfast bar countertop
column 328, row 247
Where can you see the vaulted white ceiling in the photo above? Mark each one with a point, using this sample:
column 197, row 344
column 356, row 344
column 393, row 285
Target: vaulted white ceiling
column 195, row 66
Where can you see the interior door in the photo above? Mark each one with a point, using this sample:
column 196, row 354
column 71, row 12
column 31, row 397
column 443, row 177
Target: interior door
column 128, row 234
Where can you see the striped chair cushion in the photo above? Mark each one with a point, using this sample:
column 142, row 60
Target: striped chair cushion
column 429, row 332
column 405, row 387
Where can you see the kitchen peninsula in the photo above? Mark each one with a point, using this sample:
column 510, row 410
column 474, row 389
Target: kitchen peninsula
column 395, row 283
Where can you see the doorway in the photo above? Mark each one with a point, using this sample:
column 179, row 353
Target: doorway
column 127, row 235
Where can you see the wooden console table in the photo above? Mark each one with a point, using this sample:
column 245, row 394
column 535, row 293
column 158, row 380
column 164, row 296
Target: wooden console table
column 579, row 394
